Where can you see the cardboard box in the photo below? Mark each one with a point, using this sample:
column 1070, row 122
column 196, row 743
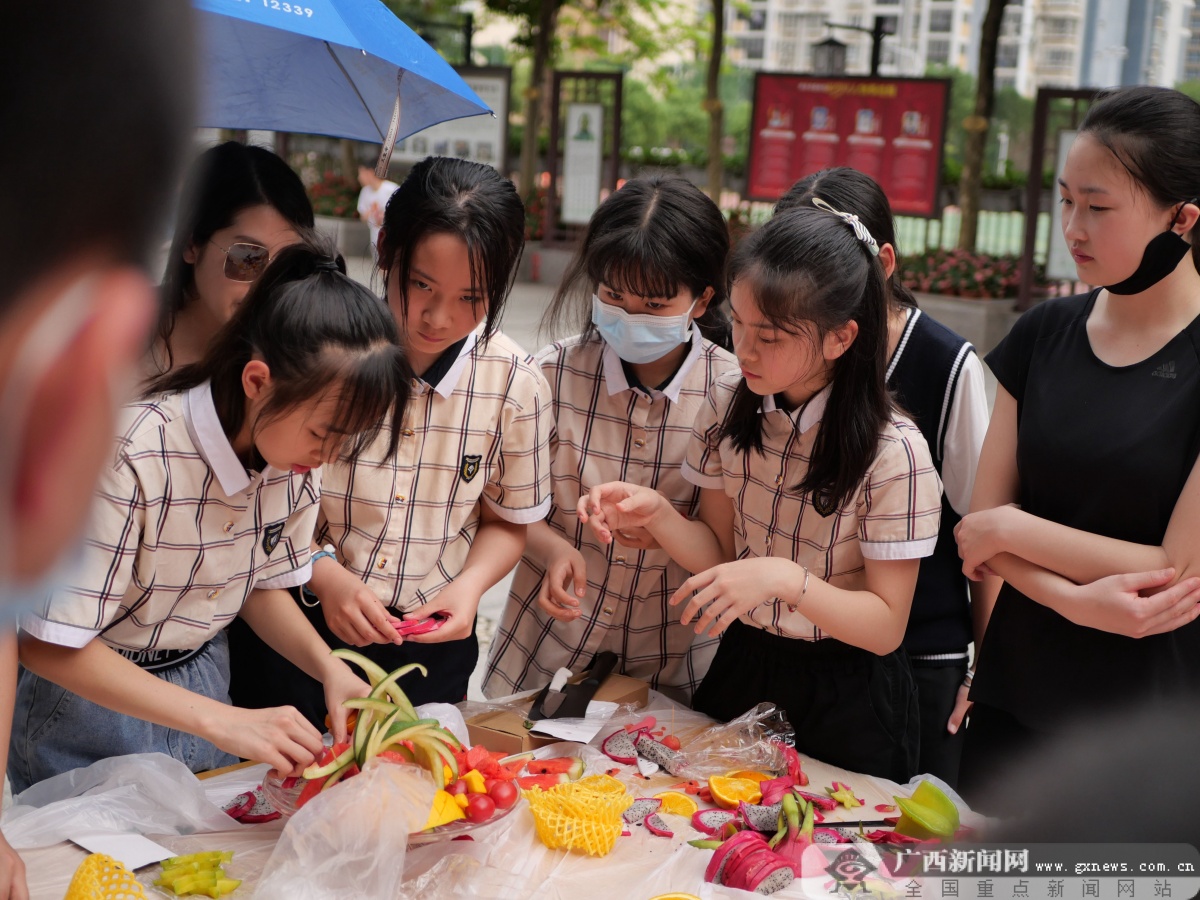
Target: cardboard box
column 505, row 732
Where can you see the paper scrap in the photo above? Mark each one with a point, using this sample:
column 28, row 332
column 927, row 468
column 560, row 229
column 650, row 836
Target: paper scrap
column 133, row 850
column 579, row 730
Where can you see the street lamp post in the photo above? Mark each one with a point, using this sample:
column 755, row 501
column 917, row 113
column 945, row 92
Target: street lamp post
column 878, row 31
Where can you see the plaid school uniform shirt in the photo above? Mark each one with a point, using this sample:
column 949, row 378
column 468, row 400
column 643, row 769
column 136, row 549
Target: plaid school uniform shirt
column 179, row 534
column 476, row 429
column 893, row 514
column 607, row 430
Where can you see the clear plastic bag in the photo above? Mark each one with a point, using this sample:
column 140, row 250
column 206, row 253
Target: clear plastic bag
column 147, row 793
column 350, row 843
column 754, row 740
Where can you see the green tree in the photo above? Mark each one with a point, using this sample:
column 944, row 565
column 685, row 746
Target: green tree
column 712, row 101
column 977, row 125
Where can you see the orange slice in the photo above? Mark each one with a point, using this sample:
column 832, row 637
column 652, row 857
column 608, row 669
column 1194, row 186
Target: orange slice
column 676, row 804
column 726, row 791
column 750, row 775
column 602, row 784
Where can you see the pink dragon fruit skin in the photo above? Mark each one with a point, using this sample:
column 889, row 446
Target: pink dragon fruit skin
column 619, row 747
column 655, row 825
column 261, row 811
column 710, row 821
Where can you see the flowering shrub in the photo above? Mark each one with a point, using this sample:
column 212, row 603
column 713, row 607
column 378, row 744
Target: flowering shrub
column 333, row 195
column 961, row 273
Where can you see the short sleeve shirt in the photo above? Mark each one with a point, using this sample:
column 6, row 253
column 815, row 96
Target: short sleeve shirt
column 607, row 430
column 1105, row 449
column 893, row 514
column 179, row 534
column 404, row 523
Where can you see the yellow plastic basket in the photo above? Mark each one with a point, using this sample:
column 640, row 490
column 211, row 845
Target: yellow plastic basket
column 579, row 816
column 101, row 877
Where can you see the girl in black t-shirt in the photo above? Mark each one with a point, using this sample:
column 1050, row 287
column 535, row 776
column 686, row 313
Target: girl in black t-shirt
column 1092, row 442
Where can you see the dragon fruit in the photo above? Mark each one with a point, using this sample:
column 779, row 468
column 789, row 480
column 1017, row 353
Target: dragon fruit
column 640, row 809
column 759, row 817
column 729, row 850
column 773, row 790
column 648, row 748
column 261, row 811
column 766, row 874
column 239, row 805
column 710, row 821
column 794, row 838
column 828, row 836
column 818, row 800
column 619, row 747
column 655, row 825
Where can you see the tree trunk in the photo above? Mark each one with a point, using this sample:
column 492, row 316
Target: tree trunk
column 712, row 102
column 543, row 41
column 977, row 126
column 349, row 160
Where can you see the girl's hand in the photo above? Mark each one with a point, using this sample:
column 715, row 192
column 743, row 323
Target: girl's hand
column 564, row 584
column 962, row 706
column 618, row 505
column 1115, row 604
column 980, row 536
column 458, row 601
column 279, row 737
column 727, row 591
column 341, row 684
column 354, row 613
column 636, row 538
column 12, row 874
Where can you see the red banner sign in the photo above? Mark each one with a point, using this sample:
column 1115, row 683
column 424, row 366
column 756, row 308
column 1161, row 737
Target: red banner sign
column 890, row 128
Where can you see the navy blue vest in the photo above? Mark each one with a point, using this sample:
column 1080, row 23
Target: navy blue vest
column 924, row 379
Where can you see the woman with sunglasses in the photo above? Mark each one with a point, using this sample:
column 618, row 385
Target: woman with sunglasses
column 241, row 205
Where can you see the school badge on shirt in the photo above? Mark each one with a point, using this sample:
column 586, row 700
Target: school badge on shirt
column 271, row 537
column 470, row 466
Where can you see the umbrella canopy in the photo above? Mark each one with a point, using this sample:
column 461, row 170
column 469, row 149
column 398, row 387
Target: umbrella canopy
column 330, row 67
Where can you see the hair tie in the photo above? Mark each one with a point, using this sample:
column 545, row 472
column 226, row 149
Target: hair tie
column 328, row 265
column 860, row 230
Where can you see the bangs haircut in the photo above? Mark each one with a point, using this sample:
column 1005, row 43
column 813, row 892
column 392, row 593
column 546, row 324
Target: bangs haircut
column 471, row 201
column 810, row 275
column 318, row 331
column 655, row 236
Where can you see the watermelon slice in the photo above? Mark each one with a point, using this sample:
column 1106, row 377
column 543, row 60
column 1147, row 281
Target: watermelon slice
column 545, row 782
column 571, row 766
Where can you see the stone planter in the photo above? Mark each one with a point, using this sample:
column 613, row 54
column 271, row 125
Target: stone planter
column 982, row 322
column 352, row 236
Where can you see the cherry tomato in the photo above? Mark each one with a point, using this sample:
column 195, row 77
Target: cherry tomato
column 458, row 786
column 671, row 742
column 503, row 793
column 480, row 807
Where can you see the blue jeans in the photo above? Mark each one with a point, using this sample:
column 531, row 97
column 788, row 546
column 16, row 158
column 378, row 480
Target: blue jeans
column 55, row 730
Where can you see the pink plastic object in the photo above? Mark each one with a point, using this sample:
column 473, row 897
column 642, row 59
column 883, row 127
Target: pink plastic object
column 408, row 627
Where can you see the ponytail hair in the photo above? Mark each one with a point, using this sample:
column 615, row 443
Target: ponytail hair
column 849, row 189
column 316, row 329
column 810, row 275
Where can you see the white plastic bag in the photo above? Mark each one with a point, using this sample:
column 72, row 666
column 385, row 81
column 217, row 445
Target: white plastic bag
column 350, row 842
column 146, row 793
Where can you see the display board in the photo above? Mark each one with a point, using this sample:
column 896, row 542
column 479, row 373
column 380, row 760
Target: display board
column 479, row 138
column 893, row 129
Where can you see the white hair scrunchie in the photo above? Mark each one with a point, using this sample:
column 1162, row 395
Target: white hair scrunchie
column 860, row 230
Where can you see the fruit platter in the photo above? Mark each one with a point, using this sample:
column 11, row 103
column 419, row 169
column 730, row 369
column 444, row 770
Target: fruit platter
column 475, row 786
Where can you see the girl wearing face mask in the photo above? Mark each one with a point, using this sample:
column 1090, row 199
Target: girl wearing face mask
column 1087, row 470
column 241, row 205
column 651, row 278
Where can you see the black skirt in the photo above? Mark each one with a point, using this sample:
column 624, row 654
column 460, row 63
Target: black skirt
column 848, row 707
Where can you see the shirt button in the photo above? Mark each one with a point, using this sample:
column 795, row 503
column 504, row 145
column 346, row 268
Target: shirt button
column 779, row 479
column 639, row 443
column 212, row 594
column 620, row 559
column 768, row 541
column 408, row 432
column 400, row 497
column 382, row 564
column 608, row 610
column 228, row 527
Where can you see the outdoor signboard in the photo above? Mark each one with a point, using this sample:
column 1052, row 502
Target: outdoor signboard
column 479, row 138
column 893, row 129
column 583, row 161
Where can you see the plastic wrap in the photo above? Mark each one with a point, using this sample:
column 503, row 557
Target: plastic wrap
column 147, row 793
column 751, row 741
column 351, row 842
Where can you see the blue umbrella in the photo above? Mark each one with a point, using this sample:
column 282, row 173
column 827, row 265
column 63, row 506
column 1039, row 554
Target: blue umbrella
column 344, row 68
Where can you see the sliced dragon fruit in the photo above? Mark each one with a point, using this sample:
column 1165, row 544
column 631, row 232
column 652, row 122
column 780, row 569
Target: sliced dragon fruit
column 239, row 805
column 261, row 811
column 640, row 808
column 759, row 817
column 820, row 801
column 828, row 836
column 648, row 748
column 655, row 825
column 618, row 746
column 731, row 850
column 766, row 876
column 710, row 821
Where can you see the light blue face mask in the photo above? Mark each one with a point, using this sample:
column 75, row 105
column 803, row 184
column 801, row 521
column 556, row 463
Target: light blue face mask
column 640, row 338
column 45, row 343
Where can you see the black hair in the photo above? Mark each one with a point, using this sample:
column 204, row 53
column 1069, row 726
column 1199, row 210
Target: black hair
column 223, row 181
column 1153, row 132
column 470, row 200
column 807, row 267
column 855, row 192
column 83, row 75
column 656, row 234
column 315, row 328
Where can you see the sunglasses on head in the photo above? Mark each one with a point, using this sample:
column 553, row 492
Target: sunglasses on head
column 244, row 261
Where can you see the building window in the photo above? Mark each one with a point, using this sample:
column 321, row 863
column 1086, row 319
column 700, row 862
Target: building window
column 789, row 25
column 1011, row 24
column 752, row 47
column 1007, row 56
column 937, row 52
column 941, row 20
column 1054, row 58
column 1057, row 27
